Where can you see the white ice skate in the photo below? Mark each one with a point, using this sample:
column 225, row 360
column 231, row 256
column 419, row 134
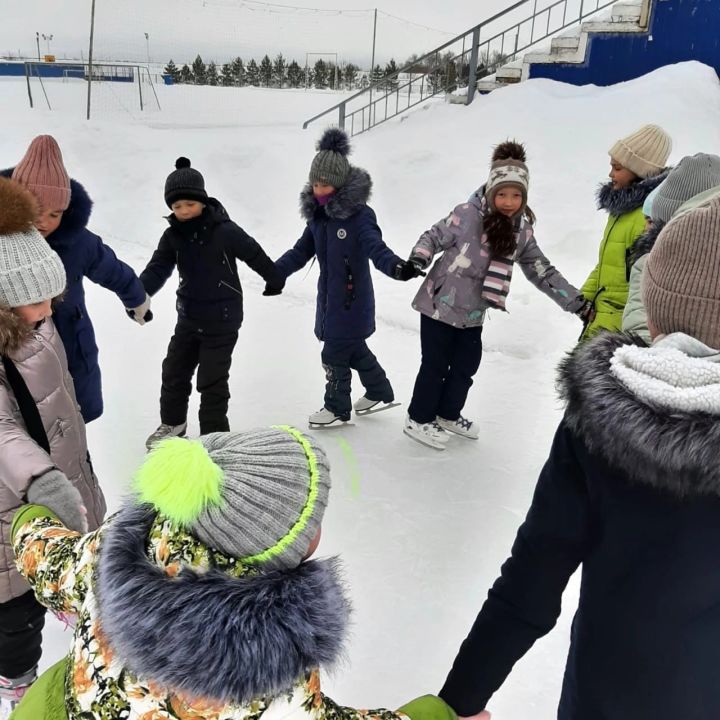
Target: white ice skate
column 325, row 418
column 430, row 434
column 165, row 431
column 366, row 406
column 462, row 426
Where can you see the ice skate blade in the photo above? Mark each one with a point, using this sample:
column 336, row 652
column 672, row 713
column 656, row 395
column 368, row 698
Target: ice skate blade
column 426, row 442
column 377, row 408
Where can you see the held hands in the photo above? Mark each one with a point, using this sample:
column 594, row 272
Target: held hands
column 587, row 312
column 271, row 290
column 53, row 490
column 408, row 269
column 141, row 314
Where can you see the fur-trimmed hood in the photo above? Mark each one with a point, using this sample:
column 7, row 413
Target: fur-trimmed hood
column 13, row 331
column 346, row 201
column 75, row 218
column 645, row 243
column 669, row 450
column 256, row 635
column 627, row 199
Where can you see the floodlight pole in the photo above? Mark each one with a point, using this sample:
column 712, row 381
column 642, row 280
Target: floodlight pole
column 90, row 55
column 372, row 66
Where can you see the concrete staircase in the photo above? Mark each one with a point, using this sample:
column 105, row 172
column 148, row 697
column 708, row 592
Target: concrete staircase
column 570, row 47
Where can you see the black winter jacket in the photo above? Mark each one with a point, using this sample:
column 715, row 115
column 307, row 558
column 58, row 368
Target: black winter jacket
column 205, row 250
column 632, row 492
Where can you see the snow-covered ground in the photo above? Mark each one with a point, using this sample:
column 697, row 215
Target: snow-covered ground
column 422, row 533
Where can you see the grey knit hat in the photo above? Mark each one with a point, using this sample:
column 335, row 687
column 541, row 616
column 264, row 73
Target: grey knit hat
column 692, row 175
column 330, row 166
column 257, row 495
column 645, row 152
column 184, row 183
column 30, row 270
column 681, row 280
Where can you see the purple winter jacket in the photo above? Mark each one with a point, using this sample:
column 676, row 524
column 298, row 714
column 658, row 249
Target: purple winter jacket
column 452, row 290
column 40, row 358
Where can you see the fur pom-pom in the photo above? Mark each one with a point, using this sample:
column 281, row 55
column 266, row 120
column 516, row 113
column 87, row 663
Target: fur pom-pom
column 179, row 479
column 336, row 140
column 182, row 162
column 509, row 150
column 18, row 207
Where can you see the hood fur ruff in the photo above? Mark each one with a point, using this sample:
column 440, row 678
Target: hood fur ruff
column 672, row 451
column 627, row 199
column 13, row 331
column 347, row 200
column 212, row 635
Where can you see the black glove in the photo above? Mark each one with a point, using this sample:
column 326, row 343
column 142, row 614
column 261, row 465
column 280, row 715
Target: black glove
column 271, row 290
column 586, row 312
column 407, row 270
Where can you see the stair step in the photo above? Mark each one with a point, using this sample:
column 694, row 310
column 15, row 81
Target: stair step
column 562, row 44
column 600, row 26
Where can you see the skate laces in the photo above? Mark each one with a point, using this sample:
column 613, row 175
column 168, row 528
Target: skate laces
column 464, row 423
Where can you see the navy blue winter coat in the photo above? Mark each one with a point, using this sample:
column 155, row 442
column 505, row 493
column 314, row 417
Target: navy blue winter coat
column 632, row 492
column 85, row 255
column 205, row 250
column 343, row 235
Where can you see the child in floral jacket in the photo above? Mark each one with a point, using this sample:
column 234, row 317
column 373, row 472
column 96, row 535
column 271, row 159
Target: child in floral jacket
column 197, row 600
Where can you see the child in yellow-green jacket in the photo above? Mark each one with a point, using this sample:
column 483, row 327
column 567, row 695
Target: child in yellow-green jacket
column 198, row 598
column 637, row 167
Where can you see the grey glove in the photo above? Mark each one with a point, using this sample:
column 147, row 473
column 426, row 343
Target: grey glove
column 53, row 490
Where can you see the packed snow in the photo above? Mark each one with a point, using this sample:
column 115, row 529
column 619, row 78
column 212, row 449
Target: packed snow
column 422, row 533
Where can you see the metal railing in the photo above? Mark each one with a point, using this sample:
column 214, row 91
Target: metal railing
column 461, row 61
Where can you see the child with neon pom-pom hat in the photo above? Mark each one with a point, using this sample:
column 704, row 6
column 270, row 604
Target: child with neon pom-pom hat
column 197, row 599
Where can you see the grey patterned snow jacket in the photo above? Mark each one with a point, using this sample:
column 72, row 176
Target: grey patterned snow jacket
column 452, row 291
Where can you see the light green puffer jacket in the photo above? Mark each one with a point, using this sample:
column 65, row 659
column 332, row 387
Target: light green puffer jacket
column 608, row 284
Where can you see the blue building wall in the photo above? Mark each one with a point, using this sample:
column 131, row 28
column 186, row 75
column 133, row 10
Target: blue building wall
column 59, row 70
column 679, row 30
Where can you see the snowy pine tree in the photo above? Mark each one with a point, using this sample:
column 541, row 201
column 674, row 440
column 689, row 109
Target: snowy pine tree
column 238, row 72
column 350, row 76
column 295, row 75
column 172, row 70
column 252, row 74
column 377, row 75
column 320, row 75
column 278, row 71
column 211, row 76
column 226, row 75
column 199, row 71
column 186, row 74
column 266, row 71
column 391, row 79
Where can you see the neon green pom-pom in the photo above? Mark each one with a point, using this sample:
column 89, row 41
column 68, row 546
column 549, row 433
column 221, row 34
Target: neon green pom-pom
column 180, row 480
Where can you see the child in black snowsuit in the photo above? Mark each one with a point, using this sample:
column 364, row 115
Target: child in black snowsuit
column 204, row 243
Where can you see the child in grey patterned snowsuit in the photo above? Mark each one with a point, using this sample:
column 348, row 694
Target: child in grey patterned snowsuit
column 480, row 241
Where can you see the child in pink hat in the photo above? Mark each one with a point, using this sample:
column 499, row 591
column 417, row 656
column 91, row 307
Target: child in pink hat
column 64, row 213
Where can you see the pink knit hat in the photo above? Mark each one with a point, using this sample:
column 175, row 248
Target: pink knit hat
column 43, row 173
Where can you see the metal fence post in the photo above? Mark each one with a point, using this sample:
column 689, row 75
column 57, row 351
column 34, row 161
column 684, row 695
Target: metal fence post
column 472, row 72
column 341, row 116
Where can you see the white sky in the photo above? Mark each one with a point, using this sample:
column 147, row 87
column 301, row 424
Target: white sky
column 220, row 29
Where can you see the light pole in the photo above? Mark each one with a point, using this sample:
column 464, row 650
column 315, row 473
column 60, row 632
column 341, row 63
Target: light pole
column 47, row 39
column 147, row 45
column 37, row 40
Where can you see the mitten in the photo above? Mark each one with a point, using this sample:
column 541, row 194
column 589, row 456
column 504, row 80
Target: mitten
column 53, row 490
column 142, row 313
column 407, row 270
column 428, row 707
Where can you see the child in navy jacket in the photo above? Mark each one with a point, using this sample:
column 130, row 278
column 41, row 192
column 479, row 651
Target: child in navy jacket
column 342, row 232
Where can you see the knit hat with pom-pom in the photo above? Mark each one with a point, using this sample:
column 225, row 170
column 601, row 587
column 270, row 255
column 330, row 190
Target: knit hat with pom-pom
column 508, row 169
column 30, row 270
column 184, row 183
column 258, row 495
column 330, row 166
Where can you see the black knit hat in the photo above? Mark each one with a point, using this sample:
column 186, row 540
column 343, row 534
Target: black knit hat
column 185, row 183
